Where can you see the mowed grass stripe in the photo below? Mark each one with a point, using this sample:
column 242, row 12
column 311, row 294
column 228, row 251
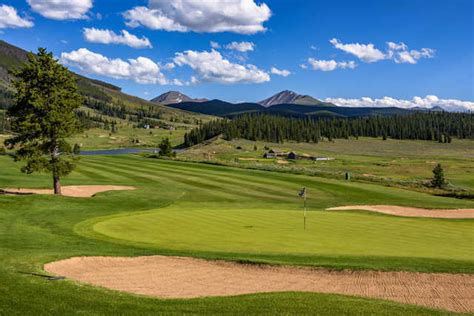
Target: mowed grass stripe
column 337, row 190
column 161, row 165
column 113, row 171
column 247, row 184
column 246, row 188
column 90, row 173
column 194, row 179
column 279, row 188
column 184, row 182
column 253, row 176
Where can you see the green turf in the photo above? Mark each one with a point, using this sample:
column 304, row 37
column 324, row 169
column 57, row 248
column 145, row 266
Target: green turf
column 276, row 231
column 39, row 229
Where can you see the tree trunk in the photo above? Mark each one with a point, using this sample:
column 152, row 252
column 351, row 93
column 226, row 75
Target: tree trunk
column 57, row 185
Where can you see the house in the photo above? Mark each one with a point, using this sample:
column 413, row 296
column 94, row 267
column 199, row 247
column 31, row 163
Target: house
column 269, row 155
column 273, row 153
column 278, row 153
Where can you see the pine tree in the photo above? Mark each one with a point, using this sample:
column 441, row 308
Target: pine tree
column 166, row 150
column 438, row 180
column 43, row 116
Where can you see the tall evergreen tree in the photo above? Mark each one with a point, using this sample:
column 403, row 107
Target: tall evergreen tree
column 438, row 180
column 43, row 116
column 165, row 147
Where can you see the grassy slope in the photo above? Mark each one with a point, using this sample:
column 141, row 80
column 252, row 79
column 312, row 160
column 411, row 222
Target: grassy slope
column 38, row 229
column 368, row 159
column 97, row 138
column 12, row 57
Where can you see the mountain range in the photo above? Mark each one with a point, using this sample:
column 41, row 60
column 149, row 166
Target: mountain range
column 226, row 109
column 283, row 97
column 287, row 103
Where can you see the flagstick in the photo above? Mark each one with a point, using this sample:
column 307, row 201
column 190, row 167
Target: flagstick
column 304, row 212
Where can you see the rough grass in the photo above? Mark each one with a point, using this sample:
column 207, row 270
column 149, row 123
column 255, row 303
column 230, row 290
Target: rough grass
column 404, row 162
column 96, row 138
column 39, row 229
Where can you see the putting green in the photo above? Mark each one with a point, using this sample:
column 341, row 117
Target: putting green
column 280, row 232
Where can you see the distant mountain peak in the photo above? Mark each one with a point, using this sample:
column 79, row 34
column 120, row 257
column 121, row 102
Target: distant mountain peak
column 436, row 108
column 290, row 97
column 174, row 97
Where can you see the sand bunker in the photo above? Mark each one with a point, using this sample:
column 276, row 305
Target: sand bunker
column 179, row 277
column 71, row 190
column 408, row 211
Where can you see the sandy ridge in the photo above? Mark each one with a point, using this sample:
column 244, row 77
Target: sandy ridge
column 408, row 211
column 71, row 190
column 180, row 277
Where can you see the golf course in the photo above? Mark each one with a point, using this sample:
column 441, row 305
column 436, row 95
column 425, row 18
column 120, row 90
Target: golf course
column 185, row 209
column 236, row 157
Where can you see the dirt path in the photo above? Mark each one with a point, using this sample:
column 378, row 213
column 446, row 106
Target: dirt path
column 408, row 211
column 71, row 190
column 180, row 277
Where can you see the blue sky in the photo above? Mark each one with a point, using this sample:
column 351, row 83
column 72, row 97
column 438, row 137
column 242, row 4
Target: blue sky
column 335, row 50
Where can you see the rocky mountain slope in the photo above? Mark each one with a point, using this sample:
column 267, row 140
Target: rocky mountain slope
column 173, row 97
column 291, row 97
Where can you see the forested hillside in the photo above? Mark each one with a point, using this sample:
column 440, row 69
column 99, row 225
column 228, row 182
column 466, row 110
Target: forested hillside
column 104, row 103
column 431, row 126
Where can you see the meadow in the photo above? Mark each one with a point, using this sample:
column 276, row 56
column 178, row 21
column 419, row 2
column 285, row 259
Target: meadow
column 207, row 211
column 406, row 163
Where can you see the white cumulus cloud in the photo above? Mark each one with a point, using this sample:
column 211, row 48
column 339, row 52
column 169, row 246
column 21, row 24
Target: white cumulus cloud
column 141, row 70
column 61, row 9
column 400, row 53
column 104, row 36
column 330, row 65
column 212, row 67
column 241, row 46
column 9, row 18
column 365, row 52
column 237, row 16
column 427, row 102
column 397, row 52
column 280, row 72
